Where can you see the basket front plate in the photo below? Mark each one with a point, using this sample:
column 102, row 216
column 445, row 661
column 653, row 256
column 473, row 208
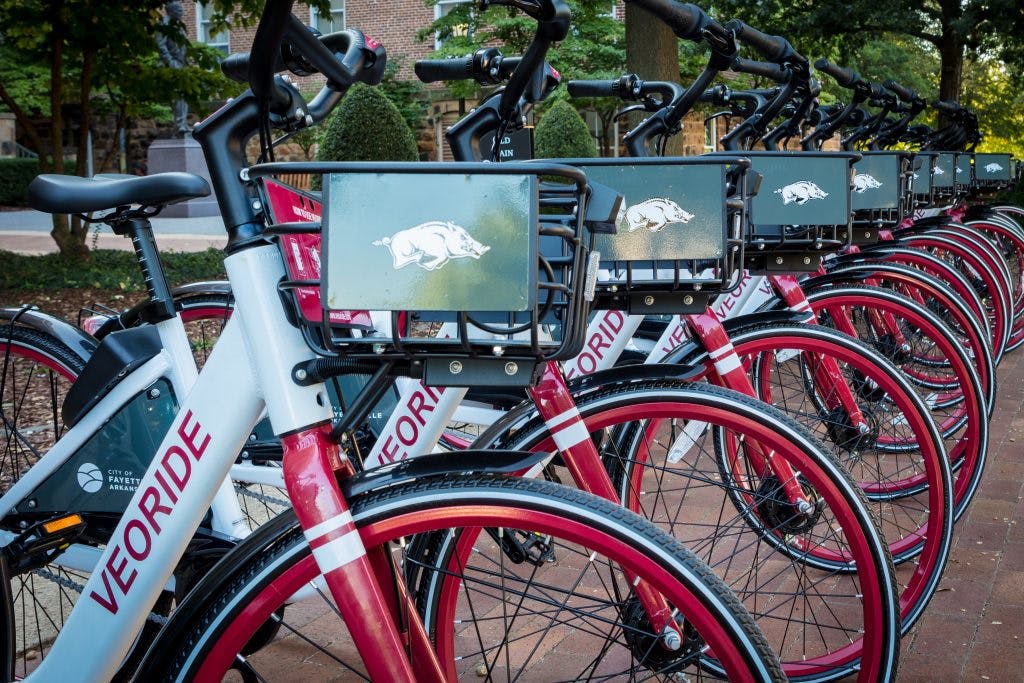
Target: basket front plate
column 876, row 184
column 440, row 242
column 669, row 212
column 801, row 189
column 993, row 167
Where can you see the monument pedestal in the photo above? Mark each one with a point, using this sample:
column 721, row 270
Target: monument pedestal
column 182, row 154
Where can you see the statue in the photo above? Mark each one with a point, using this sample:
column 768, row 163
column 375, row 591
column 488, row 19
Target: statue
column 172, row 53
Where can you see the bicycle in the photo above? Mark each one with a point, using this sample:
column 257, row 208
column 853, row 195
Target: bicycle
column 205, row 435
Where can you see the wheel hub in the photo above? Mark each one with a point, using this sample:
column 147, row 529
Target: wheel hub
column 782, row 516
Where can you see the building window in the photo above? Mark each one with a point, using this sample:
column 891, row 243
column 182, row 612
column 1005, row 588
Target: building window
column 710, row 134
column 332, row 23
column 442, row 9
column 216, row 40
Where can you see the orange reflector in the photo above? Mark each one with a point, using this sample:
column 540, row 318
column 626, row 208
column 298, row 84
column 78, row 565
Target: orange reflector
column 55, row 525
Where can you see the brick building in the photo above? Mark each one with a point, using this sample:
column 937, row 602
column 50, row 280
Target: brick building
column 395, row 23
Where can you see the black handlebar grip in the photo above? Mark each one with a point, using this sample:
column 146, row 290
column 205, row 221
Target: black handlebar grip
column 456, row 69
column 905, row 94
column 686, row 20
column 947, row 106
column 593, row 88
column 236, row 67
column 773, row 48
column 764, row 69
column 844, row 77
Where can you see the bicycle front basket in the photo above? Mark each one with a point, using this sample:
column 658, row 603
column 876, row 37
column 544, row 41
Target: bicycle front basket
column 464, row 262
column 802, row 210
column 678, row 232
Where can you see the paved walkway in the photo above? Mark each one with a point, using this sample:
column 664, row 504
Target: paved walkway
column 973, row 630
column 28, row 232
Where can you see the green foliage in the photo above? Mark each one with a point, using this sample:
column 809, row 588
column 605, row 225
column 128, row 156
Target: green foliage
column 15, row 176
column 594, row 49
column 563, row 134
column 366, row 126
column 409, row 97
column 992, row 93
column 108, row 269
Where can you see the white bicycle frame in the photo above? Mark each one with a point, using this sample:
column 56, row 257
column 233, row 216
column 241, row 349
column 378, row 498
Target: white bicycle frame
column 248, row 370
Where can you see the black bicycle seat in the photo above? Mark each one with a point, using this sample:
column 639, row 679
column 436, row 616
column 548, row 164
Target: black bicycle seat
column 73, row 194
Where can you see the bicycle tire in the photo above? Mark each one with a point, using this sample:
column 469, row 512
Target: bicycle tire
column 229, row 607
column 607, row 408
column 929, row 542
column 962, row 406
column 938, row 298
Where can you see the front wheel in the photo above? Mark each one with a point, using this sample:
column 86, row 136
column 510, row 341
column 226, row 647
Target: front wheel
column 657, row 439
column 567, row 612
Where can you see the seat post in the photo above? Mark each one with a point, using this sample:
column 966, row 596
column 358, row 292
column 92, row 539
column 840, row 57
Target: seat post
column 140, row 231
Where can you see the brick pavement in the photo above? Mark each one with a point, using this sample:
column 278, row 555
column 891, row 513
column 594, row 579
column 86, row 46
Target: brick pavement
column 973, row 630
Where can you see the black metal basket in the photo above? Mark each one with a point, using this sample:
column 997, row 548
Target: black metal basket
column 477, row 269
column 993, row 172
column 801, row 212
column 882, row 193
column 679, row 234
column 951, row 176
column 922, row 178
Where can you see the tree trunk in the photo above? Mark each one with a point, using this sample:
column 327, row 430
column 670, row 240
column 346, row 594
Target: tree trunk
column 951, row 52
column 70, row 246
column 652, row 52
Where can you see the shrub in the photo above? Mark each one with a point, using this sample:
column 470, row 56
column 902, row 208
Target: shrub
column 107, row 269
column 563, row 134
column 366, row 127
column 16, row 174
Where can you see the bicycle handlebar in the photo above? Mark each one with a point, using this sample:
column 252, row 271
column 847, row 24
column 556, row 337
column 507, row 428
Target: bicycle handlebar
column 628, row 87
column 773, row 48
column 769, row 70
column 486, row 66
column 344, row 57
column 905, row 94
column 848, row 78
column 687, row 21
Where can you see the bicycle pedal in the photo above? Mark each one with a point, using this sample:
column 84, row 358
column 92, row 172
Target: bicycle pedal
column 33, row 546
column 534, row 548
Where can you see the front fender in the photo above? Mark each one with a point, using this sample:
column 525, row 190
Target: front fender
column 441, row 464
column 690, row 350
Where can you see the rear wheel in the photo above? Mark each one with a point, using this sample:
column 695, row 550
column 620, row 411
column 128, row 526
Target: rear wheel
column 36, row 371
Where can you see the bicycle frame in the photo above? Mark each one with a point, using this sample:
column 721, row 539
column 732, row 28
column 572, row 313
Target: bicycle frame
column 192, row 463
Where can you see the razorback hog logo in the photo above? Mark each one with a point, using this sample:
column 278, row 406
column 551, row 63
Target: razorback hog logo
column 863, row 182
column 801, row 192
column 939, row 171
column 653, row 214
column 431, row 245
column 993, row 167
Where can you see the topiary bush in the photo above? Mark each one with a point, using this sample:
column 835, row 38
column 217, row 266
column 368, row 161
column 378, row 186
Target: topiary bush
column 563, row 134
column 366, row 126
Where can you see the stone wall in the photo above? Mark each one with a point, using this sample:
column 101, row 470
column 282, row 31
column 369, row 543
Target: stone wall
column 7, row 148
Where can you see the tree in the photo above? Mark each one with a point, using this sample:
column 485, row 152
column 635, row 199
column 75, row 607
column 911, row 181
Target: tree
column 563, row 134
column 85, row 46
column 594, row 48
column 366, row 126
column 955, row 28
column 652, row 53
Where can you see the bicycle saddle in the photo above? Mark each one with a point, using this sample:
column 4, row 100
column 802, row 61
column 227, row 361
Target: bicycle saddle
column 72, row 194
